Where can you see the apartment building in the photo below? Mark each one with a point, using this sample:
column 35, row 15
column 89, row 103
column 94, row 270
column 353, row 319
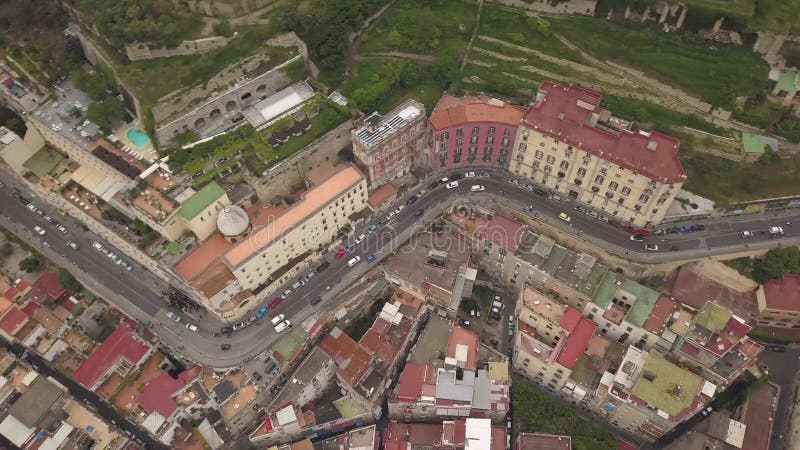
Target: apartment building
column 472, row 131
column 779, row 302
column 550, row 339
column 539, row 441
column 568, row 143
column 269, row 255
column 385, row 146
column 456, row 434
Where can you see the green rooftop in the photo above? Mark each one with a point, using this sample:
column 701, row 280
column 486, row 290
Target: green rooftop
column 712, row 317
column 645, row 297
column 554, row 259
column 787, row 81
column 201, row 200
column 43, row 162
column 666, row 386
column 588, row 285
column 348, row 407
column 752, row 144
column 285, row 347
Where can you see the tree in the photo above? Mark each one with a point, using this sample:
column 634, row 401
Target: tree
column 395, row 38
column 776, row 263
column 445, row 72
column 516, row 37
column 68, row 280
column 16, row 125
column 30, row 264
column 6, row 250
column 223, row 29
column 105, row 112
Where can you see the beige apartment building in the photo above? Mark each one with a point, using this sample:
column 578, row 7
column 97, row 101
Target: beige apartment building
column 569, row 144
column 779, row 302
column 269, row 255
column 384, row 146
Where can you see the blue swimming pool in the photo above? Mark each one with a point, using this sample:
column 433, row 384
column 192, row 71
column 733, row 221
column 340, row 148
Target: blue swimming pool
column 138, row 138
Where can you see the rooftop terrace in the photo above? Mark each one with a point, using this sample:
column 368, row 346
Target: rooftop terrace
column 666, row 386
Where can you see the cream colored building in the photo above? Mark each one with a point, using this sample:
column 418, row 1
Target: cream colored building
column 569, row 144
column 15, row 150
column 272, row 254
column 779, row 302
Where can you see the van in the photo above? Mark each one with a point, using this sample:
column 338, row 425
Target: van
column 278, row 319
column 353, row 261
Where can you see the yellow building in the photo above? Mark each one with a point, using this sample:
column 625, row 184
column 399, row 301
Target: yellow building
column 272, row 254
column 569, row 144
column 779, row 302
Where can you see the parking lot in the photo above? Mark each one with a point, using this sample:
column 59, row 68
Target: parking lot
column 487, row 314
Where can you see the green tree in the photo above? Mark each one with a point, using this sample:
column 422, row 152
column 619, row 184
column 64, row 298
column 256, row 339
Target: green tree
column 543, row 27
column 395, row 38
column 105, row 112
column 223, row 29
column 516, row 38
column 776, row 263
column 6, row 250
column 30, row 264
column 445, row 72
column 68, row 280
column 16, row 125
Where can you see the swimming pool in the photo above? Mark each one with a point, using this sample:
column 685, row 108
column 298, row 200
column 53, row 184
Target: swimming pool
column 138, row 138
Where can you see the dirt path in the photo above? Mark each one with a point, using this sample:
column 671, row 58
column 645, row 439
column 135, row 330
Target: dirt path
column 427, row 59
column 252, row 18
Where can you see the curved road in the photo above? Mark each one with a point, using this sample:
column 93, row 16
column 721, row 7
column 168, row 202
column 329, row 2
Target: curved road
column 138, row 292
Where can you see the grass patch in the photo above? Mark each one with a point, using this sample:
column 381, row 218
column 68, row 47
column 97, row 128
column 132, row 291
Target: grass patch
column 717, row 74
column 773, row 265
column 657, row 117
column 726, row 181
column 761, row 113
column 537, row 412
column 152, row 79
column 380, row 85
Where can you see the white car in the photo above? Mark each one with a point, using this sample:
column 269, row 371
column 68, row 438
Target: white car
column 747, row 234
column 191, row 327
column 282, row 326
column 285, row 294
column 477, row 188
column 451, row 185
column 361, row 238
column 39, row 230
column 353, row 261
column 72, row 245
column 651, row 247
column 399, row 208
column 31, row 207
column 62, row 229
column 97, row 245
column 469, row 175
column 173, row 317
column 776, row 231
column 277, row 319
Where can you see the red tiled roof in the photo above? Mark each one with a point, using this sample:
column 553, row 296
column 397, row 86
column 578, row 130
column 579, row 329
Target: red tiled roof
column 413, row 380
column 461, row 336
column 202, row 257
column 381, row 195
column 576, row 343
column 737, row 327
column 30, row 308
column 660, row 314
column 352, row 360
column 540, row 441
column 17, row 289
column 385, row 340
column 625, row 445
column 451, row 111
column 121, row 344
column 157, row 396
column 498, row 438
column 48, row 284
column 502, row 231
column 570, row 320
column 403, row 435
column 563, row 114
column 783, row 294
column 13, row 320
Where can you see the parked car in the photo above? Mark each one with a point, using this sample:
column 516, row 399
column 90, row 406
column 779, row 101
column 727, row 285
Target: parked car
column 226, row 330
column 360, row 238
column 339, row 253
column 698, row 227
column 477, row 188
column 274, row 303
column 565, row 217
column 353, row 261
column 225, row 347
column 39, row 230
column 451, row 185
column 297, row 285
column 192, row 327
column 282, row 326
column 372, row 229
column 286, row 294
column 540, row 191
column 651, row 247
column 469, row 175
column 173, row 317
column 61, row 228
column 73, row 245
column 262, row 312
column 321, row 268
column 635, row 237
column 97, row 245
column 411, row 200
column 433, row 185
column 239, row 326
column 277, row 319
column 370, row 258
column 456, row 177
column 48, row 219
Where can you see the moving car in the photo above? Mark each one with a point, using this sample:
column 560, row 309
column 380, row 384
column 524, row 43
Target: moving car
column 262, row 312
column 226, row 330
column 225, row 347
column 72, row 245
column 698, row 227
column 173, row 317
column 651, row 247
column 477, row 188
column 316, row 300
column 282, row 326
column 340, row 253
column 370, row 258
column 469, row 175
column 412, row 199
column 277, row 319
column 420, row 212
column 747, row 234
column 451, row 185
column 192, row 327
column 635, row 237
column 353, row 261
column 565, row 217
column 776, row 231
column 39, row 230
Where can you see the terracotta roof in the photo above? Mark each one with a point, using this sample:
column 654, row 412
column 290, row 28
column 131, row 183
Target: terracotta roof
column 121, row 344
column 159, row 393
column 461, row 336
column 385, row 340
column 659, row 316
column 783, row 294
column 571, row 319
column 261, row 215
column 202, row 257
column 5, row 304
column 451, row 111
column 411, row 385
column 213, row 279
column 381, row 195
column 502, row 231
column 537, row 441
column 13, row 320
column 18, row 289
column 692, row 288
column 313, row 201
column 48, row 284
column 351, row 359
column 563, row 114
column 576, row 343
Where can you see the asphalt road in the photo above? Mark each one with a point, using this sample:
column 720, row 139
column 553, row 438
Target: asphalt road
column 138, row 292
column 86, row 397
column 784, row 368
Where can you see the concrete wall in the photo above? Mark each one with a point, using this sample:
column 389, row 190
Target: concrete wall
column 143, row 50
column 289, row 176
column 545, row 6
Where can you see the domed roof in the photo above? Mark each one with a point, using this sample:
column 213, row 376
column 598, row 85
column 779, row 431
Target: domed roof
column 232, row 221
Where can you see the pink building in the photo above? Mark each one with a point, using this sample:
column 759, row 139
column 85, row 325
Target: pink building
column 472, row 131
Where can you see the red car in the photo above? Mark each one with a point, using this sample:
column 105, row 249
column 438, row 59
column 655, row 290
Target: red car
column 340, row 253
column 275, row 302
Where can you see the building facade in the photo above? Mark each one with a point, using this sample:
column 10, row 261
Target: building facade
column 384, row 146
column 269, row 255
column 779, row 302
column 472, row 131
column 569, row 144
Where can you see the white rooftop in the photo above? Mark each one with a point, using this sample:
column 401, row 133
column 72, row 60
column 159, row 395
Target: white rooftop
column 286, row 415
column 278, row 104
column 478, row 434
column 15, row 431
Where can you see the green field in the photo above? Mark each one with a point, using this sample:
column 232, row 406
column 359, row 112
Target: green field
column 381, row 84
column 509, row 25
column 716, row 74
column 657, row 117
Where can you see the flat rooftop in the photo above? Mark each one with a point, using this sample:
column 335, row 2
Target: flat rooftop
column 377, row 128
column 542, row 305
column 278, row 104
column 314, row 200
column 411, row 261
column 666, row 386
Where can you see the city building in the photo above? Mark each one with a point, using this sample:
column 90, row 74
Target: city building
column 385, row 146
column 550, row 339
column 120, row 353
column 16, row 150
column 472, row 131
column 364, row 438
column 538, row 441
column 458, row 434
column 569, row 144
column 779, row 302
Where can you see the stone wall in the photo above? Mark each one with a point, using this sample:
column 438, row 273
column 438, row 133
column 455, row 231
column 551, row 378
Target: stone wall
column 143, row 50
column 289, row 176
column 545, row 6
column 224, row 9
